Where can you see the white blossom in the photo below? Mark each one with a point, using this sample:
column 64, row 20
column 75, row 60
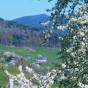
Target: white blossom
column 81, row 85
column 81, row 33
column 62, row 27
column 63, row 65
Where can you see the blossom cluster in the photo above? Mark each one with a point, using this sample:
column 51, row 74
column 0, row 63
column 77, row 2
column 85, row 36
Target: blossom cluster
column 20, row 81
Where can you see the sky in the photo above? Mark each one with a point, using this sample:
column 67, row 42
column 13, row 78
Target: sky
column 11, row 9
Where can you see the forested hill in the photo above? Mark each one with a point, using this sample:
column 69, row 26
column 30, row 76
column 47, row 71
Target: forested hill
column 15, row 34
column 33, row 21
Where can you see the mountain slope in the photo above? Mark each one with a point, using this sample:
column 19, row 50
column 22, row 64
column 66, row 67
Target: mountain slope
column 15, row 34
column 12, row 33
column 32, row 21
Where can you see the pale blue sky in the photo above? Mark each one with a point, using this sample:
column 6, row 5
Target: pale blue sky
column 10, row 9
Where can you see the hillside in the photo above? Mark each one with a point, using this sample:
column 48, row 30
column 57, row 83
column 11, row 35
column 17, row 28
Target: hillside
column 24, row 52
column 33, row 21
column 12, row 33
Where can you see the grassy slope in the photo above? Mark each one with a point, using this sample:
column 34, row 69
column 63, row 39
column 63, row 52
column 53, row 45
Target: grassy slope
column 3, row 77
column 49, row 53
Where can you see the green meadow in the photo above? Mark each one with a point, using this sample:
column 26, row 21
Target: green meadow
column 50, row 53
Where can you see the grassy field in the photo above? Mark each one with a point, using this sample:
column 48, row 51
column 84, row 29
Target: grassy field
column 50, row 53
